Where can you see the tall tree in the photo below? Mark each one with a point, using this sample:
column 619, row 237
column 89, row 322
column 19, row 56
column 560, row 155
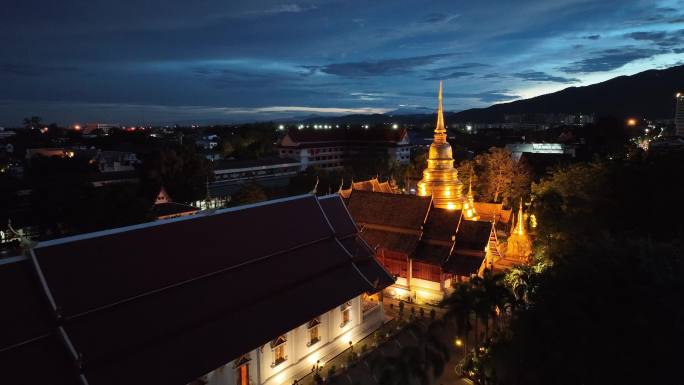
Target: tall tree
column 501, row 177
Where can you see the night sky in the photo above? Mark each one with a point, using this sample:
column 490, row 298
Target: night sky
column 139, row 61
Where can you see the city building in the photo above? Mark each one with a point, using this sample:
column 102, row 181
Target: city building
column 236, row 296
column 426, row 247
column 679, row 114
column 518, row 149
column 440, row 178
column 332, row 148
column 230, row 175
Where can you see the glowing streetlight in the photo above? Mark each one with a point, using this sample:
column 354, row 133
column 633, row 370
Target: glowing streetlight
column 458, row 342
column 631, row 122
column 395, row 126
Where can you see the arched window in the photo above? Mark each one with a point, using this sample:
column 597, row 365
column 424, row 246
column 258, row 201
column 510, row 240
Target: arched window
column 314, row 334
column 278, row 349
column 345, row 309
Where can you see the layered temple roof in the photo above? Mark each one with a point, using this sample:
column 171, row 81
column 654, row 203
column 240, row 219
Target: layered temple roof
column 412, row 225
column 168, row 301
column 373, row 185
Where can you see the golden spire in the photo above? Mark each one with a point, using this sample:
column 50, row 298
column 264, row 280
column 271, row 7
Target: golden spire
column 440, row 131
column 520, row 226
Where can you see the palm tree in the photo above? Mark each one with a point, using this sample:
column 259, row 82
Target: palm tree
column 437, row 352
column 459, row 306
column 492, row 294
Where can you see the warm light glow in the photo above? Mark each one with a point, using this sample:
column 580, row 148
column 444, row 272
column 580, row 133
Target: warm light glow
column 279, row 378
column 631, row 122
column 679, row 94
column 533, row 221
column 458, row 342
column 451, row 206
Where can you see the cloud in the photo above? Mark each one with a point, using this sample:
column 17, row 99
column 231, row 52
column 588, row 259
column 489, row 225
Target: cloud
column 283, row 8
column 611, row 59
column 660, row 38
column 439, row 18
column 539, row 76
column 453, row 75
column 453, row 72
column 484, row 96
column 385, row 67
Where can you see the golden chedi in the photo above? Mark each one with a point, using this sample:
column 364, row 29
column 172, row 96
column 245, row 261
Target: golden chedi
column 519, row 245
column 440, row 178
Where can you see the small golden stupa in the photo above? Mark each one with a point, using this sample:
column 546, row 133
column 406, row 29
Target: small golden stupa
column 440, row 178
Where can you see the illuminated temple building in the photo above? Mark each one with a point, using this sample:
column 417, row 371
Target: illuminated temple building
column 432, row 240
column 440, row 178
column 427, row 248
column 373, row 185
column 200, row 299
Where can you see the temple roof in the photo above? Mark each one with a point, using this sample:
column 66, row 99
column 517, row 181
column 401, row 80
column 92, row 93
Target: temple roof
column 435, row 254
column 168, row 301
column 172, row 209
column 486, row 211
column 441, row 224
column 393, row 210
column 463, row 264
column 473, row 235
column 398, row 242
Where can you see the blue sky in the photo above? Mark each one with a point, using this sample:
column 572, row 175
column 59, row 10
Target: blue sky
column 142, row 61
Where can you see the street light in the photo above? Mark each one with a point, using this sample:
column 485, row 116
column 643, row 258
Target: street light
column 458, row 342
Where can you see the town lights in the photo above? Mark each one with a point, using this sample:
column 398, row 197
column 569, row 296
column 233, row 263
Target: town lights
column 631, row 122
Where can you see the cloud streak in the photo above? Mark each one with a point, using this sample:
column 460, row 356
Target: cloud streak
column 386, row 67
column 538, row 76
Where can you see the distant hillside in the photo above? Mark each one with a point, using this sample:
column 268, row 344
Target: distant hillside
column 648, row 94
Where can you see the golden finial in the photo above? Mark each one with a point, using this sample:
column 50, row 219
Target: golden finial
column 440, row 131
column 520, row 226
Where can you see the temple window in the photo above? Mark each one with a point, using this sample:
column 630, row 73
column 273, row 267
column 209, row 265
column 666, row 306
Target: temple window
column 345, row 309
column 278, row 349
column 314, row 334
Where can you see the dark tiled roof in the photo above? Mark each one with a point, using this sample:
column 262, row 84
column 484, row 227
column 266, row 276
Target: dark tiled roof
column 399, row 242
column 435, row 254
column 441, row 224
column 375, row 135
column 473, row 235
column 396, row 210
column 140, row 305
column 170, row 209
column 463, row 265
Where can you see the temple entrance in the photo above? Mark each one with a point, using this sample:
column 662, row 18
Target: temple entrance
column 243, row 375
